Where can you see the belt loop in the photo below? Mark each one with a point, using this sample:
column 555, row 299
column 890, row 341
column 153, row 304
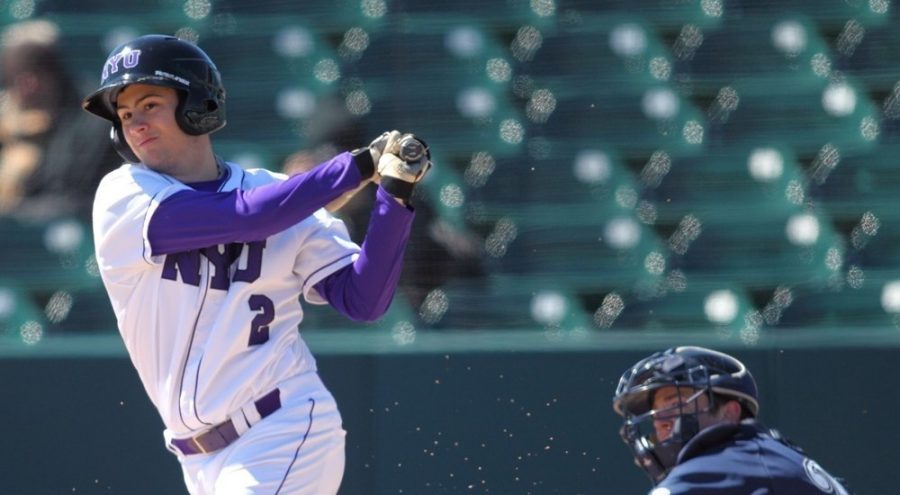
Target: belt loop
column 239, row 421
column 251, row 414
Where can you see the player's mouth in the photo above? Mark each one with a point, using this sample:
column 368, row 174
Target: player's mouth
column 146, row 141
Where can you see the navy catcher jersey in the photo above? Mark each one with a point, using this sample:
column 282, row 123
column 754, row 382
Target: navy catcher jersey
column 745, row 459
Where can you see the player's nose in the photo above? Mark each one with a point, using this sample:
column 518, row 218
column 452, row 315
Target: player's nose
column 663, row 429
column 136, row 124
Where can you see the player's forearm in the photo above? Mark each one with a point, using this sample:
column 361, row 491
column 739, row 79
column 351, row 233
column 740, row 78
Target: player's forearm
column 363, row 291
column 194, row 219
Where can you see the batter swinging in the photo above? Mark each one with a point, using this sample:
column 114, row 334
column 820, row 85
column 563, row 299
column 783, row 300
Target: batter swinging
column 204, row 261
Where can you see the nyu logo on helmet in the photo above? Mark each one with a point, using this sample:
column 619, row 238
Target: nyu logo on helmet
column 129, row 59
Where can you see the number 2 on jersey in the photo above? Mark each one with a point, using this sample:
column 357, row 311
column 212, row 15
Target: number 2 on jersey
column 259, row 327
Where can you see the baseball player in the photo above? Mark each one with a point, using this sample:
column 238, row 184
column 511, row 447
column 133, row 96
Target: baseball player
column 205, row 262
column 690, row 423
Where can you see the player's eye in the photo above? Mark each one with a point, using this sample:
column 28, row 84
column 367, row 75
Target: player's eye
column 124, row 116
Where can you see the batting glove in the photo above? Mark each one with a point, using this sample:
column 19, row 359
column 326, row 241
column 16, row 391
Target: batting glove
column 403, row 164
column 367, row 158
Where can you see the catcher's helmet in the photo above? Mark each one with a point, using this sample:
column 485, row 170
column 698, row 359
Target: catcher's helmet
column 162, row 61
column 697, row 368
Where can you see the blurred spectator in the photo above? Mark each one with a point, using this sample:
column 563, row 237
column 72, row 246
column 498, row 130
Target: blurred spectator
column 52, row 154
column 436, row 253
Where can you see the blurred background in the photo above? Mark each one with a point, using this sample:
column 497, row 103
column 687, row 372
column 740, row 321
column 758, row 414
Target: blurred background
column 612, row 178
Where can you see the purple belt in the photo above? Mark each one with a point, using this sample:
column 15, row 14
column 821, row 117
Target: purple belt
column 223, row 434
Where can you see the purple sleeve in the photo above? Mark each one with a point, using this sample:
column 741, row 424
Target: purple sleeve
column 192, row 219
column 363, row 291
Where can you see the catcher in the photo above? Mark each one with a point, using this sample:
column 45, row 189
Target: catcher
column 690, row 421
column 204, row 261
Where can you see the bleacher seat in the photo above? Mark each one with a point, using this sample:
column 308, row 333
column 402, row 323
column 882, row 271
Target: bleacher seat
column 78, row 311
column 558, row 183
column 505, row 16
column 771, row 79
column 51, row 256
column 596, row 252
column 516, row 304
column 720, row 307
column 827, row 16
column 277, row 71
column 449, row 95
column 867, row 302
column 20, row 318
column 667, row 17
column 850, row 184
column 329, row 16
column 871, row 56
column 726, row 184
column 720, row 208
column 758, row 252
column 609, row 83
column 172, row 8
column 53, row 274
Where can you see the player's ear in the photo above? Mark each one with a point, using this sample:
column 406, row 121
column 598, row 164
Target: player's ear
column 730, row 410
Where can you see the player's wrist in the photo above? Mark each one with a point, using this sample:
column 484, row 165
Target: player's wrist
column 398, row 188
column 385, row 195
column 362, row 158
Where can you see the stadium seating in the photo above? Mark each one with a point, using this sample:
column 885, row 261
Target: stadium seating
column 504, row 17
column 277, row 71
column 452, row 92
column 52, row 276
column 330, row 17
column 78, row 311
column 613, row 252
column 610, row 83
column 513, row 304
column 854, row 302
column 48, row 256
column 20, row 318
column 556, row 182
column 772, row 78
column 684, row 306
column 724, row 166
column 851, row 184
column 870, row 55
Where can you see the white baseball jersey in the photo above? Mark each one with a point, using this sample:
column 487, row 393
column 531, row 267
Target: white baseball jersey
column 209, row 331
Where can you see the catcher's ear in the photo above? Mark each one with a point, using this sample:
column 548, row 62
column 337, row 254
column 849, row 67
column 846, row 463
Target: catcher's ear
column 118, row 142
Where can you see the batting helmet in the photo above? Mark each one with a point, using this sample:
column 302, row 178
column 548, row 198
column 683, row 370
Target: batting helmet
column 697, row 368
column 162, row 61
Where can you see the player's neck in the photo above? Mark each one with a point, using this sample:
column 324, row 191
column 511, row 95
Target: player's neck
column 199, row 165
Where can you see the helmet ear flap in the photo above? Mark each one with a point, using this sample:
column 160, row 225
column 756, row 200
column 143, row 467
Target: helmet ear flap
column 120, row 145
column 202, row 116
column 201, row 110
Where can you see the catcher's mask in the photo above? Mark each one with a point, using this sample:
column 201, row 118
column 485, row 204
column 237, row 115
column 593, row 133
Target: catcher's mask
column 161, row 61
column 698, row 370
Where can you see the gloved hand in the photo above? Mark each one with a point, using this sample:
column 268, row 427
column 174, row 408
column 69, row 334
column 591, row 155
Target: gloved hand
column 367, row 158
column 404, row 163
column 388, row 142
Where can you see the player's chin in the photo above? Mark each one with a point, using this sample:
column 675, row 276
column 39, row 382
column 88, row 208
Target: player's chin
column 155, row 163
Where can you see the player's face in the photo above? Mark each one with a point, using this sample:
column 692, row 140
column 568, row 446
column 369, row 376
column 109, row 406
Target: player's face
column 672, row 402
column 147, row 114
